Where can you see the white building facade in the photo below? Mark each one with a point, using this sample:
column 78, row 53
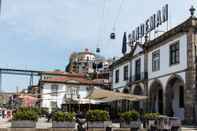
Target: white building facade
column 164, row 69
column 57, row 91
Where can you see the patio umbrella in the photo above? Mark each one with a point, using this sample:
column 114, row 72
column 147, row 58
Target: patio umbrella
column 87, row 101
column 108, row 96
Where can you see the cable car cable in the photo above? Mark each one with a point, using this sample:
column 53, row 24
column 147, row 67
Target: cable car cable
column 100, row 28
column 113, row 35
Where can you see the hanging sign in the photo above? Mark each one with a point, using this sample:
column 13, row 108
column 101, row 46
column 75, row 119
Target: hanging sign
column 150, row 24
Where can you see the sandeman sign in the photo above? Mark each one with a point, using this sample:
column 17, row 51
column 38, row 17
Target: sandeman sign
column 150, row 24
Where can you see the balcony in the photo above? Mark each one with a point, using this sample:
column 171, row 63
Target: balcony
column 139, row 77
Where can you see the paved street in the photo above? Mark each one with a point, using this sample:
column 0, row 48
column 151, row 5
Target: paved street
column 189, row 128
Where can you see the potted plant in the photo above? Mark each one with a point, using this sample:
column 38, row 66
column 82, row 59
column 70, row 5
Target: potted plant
column 24, row 119
column 150, row 119
column 130, row 119
column 63, row 120
column 98, row 119
column 44, row 111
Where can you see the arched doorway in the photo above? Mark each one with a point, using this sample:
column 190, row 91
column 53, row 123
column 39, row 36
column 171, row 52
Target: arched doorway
column 156, row 97
column 175, row 97
column 137, row 91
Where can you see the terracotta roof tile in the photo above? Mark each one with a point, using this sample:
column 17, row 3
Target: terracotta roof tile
column 70, row 79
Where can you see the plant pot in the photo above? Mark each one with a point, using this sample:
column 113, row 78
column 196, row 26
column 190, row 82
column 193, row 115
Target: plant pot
column 99, row 124
column 175, row 122
column 23, row 124
column 63, row 124
column 163, row 123
column 131, row 124
column 149, row 123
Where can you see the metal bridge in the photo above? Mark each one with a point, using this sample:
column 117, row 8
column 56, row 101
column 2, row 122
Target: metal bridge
column 30, row 73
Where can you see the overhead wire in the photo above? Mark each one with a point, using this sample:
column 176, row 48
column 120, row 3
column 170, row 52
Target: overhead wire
column 100, row 27
column 118, row 14
column 0, row 7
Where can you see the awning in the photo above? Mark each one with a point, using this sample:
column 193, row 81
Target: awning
column 82, row 101
column 108, row 96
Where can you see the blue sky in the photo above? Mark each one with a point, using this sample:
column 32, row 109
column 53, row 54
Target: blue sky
column 41, row 34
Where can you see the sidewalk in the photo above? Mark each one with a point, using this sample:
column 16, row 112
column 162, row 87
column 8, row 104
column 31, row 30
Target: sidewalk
column 189, row 128
column 43, row 124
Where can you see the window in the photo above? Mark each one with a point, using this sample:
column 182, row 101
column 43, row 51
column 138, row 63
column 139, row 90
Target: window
column 125, row 73
column 53, row 104
column 138, row 69
column 174, row 53
column 54, row 89
column 117, row 76
column 156, row 60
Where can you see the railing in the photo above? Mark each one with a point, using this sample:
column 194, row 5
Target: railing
column 138, row 77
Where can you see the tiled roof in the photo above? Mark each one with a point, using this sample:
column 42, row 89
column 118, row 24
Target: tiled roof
column 71, row 80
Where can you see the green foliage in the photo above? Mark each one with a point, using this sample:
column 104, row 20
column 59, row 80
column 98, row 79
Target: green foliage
column 97, row 115
column 151, row 116
column 62, row 116
column 25, row 115
column 34, row 109
column 44, row 111
column 130, row 116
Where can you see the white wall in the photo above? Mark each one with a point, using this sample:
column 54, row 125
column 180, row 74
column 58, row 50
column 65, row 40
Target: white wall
column 121, row 82
column 89, row 56
column 47, row 98
column 165, row 67
column 165, row 79
column 137, row 50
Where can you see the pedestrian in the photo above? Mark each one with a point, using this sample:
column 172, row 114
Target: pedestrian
column 49, row 117
column 3, row 114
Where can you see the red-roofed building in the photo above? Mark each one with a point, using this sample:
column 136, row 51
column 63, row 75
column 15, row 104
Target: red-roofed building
column 56, row 90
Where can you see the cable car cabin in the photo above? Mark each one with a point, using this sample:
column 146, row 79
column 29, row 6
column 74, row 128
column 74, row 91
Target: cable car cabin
column 112, row 36
column 97, row 50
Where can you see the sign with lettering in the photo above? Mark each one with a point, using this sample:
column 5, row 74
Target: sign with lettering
column 150, row 24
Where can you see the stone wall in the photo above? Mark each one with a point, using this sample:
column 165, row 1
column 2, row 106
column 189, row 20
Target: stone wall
column 190, row 78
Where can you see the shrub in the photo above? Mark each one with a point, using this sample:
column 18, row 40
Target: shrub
column 44, row 111
column 97, row 115
column 130, row 116
column 25, row 115
column 34, row 109
column 151, row 116
column 62, row 116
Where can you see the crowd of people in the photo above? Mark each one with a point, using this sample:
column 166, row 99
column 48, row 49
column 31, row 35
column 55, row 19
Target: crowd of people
column 6, row 114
